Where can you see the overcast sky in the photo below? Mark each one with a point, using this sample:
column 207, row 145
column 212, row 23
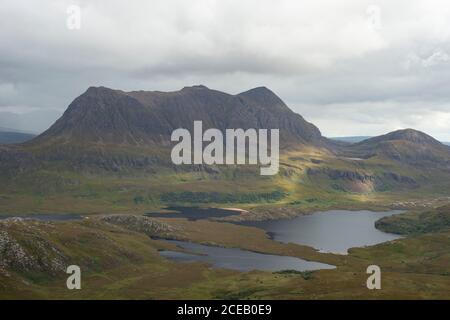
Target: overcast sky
column 352, row 67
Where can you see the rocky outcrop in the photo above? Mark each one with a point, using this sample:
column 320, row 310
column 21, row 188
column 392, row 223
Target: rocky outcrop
column 33, row 247
column 30, row 252
column 149, row 226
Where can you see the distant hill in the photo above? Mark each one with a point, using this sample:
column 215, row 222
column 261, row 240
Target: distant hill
column 407, row 146
column 356, row 139
column 9, row 136
column 33, row 121
column 14, row 129
column 351, row 139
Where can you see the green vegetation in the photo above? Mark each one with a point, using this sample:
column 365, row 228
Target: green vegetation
column 119, row 262
column 306, row 275
column 215, row 197
column 411, row 223
column 353, row 184
column 309, row 200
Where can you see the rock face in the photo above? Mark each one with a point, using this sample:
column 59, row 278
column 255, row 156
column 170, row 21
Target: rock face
column 106, row 116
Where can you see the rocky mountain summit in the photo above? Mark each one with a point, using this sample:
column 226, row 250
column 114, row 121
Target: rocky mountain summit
column 142, row 118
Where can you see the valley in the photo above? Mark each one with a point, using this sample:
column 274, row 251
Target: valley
column 120, row 259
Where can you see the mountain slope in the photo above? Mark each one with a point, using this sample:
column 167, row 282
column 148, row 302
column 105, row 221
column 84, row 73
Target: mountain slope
column 102, row 115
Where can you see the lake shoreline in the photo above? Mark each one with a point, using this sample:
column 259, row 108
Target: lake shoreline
column 351, row 229
column 239, row 259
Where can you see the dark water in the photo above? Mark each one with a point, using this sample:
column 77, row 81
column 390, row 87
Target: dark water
column 46, row 217
column 331, row 231
column 193, row 213
column 238, row 259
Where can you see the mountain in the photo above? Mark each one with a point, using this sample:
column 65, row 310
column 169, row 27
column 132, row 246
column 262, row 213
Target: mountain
column 117, row 131
column 143, row 118
column 113, row 133
column 408, row 146
column 110, row 152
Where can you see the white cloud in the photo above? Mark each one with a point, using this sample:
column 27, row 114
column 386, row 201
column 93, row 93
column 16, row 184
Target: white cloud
column 269, row 36
column 436, row 58
column 375, row 118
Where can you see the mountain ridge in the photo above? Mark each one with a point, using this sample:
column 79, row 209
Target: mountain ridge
column 114, row 130
column 106, row 115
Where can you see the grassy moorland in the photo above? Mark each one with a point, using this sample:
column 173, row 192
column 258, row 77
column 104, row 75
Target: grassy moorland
column 307, row 181
column 120, row 260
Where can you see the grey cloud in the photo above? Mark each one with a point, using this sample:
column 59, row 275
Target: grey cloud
column 324, row 58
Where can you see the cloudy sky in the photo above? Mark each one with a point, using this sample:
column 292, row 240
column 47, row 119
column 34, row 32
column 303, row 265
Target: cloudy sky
column 352, row 67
